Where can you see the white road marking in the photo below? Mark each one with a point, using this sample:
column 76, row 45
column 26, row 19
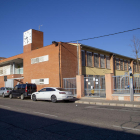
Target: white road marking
column 45, row 114
column 111, row 109
column 126, row 128
column 5, row 106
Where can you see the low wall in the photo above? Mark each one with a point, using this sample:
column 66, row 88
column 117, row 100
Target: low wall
column 126, row 97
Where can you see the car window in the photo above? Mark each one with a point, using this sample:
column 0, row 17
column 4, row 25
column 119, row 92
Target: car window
column 34, row 87
column 8, row 88
column 16, row 87
column 61, row 89
column 19, row 86
column 50, row 89
column 44, row 89
column 23, row 86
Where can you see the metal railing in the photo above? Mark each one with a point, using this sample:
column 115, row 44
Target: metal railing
column 70, row 85
column 94, row 86
column 121, row 84
column 136, row 79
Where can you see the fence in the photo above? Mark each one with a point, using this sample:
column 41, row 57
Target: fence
column 136, row 79
column 94, row 86
column 121, row 84
column 70, row 85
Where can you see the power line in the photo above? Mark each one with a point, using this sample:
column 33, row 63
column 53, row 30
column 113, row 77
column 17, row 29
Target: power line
column 107, row 35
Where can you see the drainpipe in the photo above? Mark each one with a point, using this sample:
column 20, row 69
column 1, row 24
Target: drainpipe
column 78, row 57
column 59, row 67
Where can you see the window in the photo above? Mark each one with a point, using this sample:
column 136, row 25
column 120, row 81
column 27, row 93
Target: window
column 134, row 65
column 50, row 89
column 1, row 72
column 16, row 87
column 89, row 59
column 128, row 64
column 96, row 60
column 42, row 90
column 23, row 86
column 125, row 65
column 19, row 86
column 40, row 81
column 121, row 64
column 107, row 62
column 83, row 58
column 39, row 59
column 117, row 64
column 102, row 59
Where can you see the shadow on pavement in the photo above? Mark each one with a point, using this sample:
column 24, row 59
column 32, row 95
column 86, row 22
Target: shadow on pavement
column 24, row 126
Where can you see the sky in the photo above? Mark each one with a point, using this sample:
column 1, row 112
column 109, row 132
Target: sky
column 70, row 20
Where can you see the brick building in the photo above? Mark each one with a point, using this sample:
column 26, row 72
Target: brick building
column 48, row 65
column 45, row 66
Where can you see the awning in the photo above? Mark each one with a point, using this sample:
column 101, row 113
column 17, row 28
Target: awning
column 17, row 61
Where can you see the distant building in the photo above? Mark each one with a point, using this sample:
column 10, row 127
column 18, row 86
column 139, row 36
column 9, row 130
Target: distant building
column 1, row 58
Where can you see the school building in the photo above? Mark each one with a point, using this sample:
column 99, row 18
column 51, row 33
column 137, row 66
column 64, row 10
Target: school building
column 47, row 66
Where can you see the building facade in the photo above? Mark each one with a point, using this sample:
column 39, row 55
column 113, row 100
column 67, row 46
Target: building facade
column 46, row 66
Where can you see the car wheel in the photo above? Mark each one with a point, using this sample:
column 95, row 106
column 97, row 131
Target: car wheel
column 22, row 96
column 54, row 99
column 34, row 97
column 3, row 95
column 10, row 96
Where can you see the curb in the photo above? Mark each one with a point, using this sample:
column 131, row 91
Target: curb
column 108, row 104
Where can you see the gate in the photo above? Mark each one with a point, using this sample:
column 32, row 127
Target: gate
column 70, row 85
column 94, row 86
column 121, row 84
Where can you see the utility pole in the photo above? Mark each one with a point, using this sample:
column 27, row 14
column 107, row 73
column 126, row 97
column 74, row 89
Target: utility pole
column 78, row 57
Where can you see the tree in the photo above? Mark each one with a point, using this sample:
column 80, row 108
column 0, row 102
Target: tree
column 136, row 49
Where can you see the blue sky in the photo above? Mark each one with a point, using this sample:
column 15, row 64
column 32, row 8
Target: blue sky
column 68, row 20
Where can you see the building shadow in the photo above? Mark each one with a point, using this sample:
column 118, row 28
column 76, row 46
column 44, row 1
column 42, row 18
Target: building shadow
column 24, row 126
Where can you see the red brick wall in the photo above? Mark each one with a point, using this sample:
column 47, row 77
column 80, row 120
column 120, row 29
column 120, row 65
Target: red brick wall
column 37, row 39
column 68, row 61
column 2, row 84
column 27, row 48
column 48, row 69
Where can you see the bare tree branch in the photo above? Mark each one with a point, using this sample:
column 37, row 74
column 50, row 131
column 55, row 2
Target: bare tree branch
column 136, row 49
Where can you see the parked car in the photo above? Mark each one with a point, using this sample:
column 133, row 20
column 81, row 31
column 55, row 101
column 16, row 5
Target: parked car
column 52, row 93
column 4, row 91
column 23, row 90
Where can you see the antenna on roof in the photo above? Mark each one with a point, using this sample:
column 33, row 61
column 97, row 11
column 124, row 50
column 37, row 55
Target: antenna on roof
column 39, row 27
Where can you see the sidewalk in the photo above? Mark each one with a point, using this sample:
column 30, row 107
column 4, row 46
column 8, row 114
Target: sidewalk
column 103, row 101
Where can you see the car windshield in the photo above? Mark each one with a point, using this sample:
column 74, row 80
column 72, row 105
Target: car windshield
column 61, row 89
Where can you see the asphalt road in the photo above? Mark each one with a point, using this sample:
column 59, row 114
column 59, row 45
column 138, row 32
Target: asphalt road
column 44, row 120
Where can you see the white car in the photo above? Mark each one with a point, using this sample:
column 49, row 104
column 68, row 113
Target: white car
column 52, row 93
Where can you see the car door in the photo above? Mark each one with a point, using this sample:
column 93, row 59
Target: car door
column 40, row 94
column 2, row 90
column 45, row 93
column 50, row 92
column 14, row 91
